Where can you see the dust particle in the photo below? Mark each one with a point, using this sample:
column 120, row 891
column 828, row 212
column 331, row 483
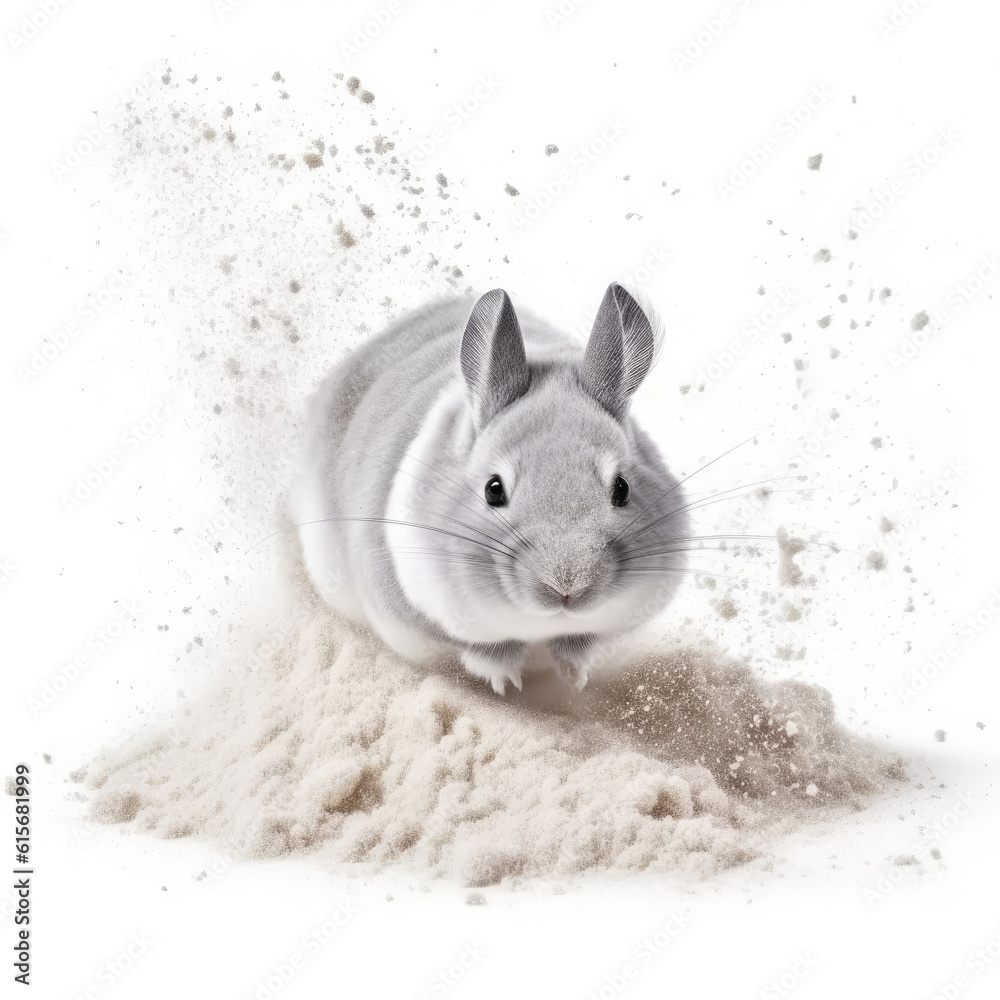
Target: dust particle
column 980, row 725
column 822, row 256
column 345, row 238
column 352, row 85
column 726, row 609
column 276, row 76
column 789, row 573
column 382, row 145
column 10, row 785
column 824, row 322
column 919, row 321
column 685, row 389
column 876, row 443
column 294, row 286
column 814, row 162
column 876, row 560
column 761, row 289
column 442, row 181
column 228, row 113
column 551, row 149
column 367, row 97
column 312, row 160
column 475, row 899
column 939, row 735
column 368, row 212
column 511, row 190
column 47, row 757
column 834, row 353
column 884, row 294
column 786, row 337
column 885, row 525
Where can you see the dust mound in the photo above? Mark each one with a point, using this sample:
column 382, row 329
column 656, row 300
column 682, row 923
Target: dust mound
column 334, row 745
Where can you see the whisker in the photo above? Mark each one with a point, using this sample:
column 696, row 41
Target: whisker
column 697, row 505
column 685, row 479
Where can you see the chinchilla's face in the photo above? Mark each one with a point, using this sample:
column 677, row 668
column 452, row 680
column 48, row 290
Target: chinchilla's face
column 567, row 487
column 559, row 517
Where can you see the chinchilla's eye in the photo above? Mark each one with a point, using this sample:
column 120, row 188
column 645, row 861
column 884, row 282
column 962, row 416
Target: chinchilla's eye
column 620, row 491
column 496, row 495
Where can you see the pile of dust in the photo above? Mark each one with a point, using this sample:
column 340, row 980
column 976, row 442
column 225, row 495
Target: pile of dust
column 682, row 762
column 274, row 234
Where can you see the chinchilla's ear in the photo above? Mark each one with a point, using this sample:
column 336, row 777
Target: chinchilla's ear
column 620, row 351
column 493, row 360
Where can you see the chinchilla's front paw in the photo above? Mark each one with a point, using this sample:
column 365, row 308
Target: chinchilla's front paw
column 573, row 655
column 497, row 663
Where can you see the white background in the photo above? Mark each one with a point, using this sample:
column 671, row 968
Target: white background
column 559, row 79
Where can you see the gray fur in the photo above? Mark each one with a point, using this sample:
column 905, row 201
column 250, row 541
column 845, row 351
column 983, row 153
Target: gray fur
column 412, row 425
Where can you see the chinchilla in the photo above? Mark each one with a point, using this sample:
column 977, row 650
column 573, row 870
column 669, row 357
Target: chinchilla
column 472, row 483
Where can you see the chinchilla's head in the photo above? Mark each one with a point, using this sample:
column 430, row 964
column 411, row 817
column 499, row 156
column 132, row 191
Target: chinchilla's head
column 588, row 522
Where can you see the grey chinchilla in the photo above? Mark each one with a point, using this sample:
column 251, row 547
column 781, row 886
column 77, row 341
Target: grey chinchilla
column 471, row 483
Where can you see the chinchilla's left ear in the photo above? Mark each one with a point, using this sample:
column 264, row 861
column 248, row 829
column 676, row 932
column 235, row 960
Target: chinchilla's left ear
column 493, row 360
column 620, row 351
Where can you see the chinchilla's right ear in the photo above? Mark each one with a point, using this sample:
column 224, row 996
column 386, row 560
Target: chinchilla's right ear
column 493, row 361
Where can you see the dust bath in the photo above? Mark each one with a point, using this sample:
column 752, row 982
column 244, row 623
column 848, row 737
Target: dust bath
column 282, row 230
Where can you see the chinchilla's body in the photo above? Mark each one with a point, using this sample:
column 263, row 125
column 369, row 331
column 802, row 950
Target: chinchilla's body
column 473, row 483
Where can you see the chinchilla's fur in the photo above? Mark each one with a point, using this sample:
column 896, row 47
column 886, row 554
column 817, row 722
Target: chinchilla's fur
column 458, row 403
